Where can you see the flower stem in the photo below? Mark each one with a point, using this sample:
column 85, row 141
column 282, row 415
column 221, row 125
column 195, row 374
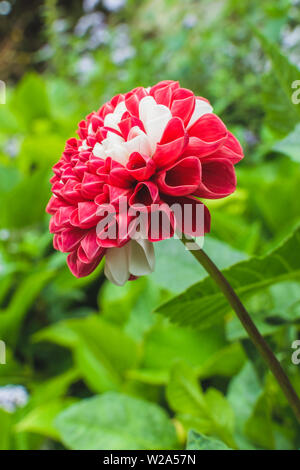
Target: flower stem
column 249, row 326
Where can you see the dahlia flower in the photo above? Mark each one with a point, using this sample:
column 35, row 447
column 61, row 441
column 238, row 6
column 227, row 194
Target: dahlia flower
column 151, row 148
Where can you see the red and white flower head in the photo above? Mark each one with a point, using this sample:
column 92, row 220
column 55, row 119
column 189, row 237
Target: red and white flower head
column 152, row 147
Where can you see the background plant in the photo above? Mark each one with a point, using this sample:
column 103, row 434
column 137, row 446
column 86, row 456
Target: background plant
column 86, row 350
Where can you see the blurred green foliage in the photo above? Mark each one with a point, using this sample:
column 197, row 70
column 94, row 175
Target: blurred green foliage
column 96, row 358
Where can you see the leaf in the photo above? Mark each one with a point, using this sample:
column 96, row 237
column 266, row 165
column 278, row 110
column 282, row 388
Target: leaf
column 243, row 393
column 175, row 270
column 102, row 352
column 259, row 427
column 41, row 419
column 207, row 412
column 271, row 309
column 277, row 106
column 166, row 343
column 6, row 427
column 183, row 391
column 203, row 304
column 225, row 362
column 11, row 318
column 55, row 387
column 290, row 145
column 114, row 421
column 30, row 100
column 23, row 206
column 198, row 441
column 286, row 73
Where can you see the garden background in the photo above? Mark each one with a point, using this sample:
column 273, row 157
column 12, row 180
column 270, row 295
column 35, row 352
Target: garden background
column 149, row 365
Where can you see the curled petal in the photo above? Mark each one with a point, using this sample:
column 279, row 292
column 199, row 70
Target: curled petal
column 230, row 150
column 81, row 269
column 141, row 167
column 191, row 215
column 91, row 185
column 70, row 239
column 90, row 246
column 206, row 136
column 172, row 144
column 85, row 216
column 145, row 194
column 218, row 179
column 183, row 104
column 182, row 178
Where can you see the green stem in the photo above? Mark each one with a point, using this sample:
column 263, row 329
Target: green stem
column 249, row 326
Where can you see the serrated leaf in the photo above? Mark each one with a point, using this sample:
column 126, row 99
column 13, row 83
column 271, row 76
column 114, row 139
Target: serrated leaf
column 203, row 304
column 115, row 421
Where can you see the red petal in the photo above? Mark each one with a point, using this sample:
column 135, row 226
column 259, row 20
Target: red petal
column 183, row 104
column 80, row 269
column 145, row 193
column 172, row 144
column 230, row 150
column 181, row 179
column 141, row 167
column 218, row 179
column 207, row 135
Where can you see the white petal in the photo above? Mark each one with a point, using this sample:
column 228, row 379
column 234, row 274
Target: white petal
column 156, row 127
column 140, row 143
column 112, row 138
column 141, row 257
column 120, row 108
column 84, row 145
column 155, row 117
column 112, row 119
column 98, row 150
column 119, row 153
column 201, row 108
column 116, row 265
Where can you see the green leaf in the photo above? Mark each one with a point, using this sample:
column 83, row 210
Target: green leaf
column 30, row 100
column 243, row 393
column 286, row 73
column 277, row 107
column 11, row 318
column 198, row 441
column 55, row 387
column 225, row 362
column 176, row 270
column 203, row 304
column 6, row 428
column 207, row 412
column 41, row 419
column 259, row 427
column 183, row 391
column 102, row 352
column 271, row 309
column 114, row 421
column 166, row 343
column 290, row 145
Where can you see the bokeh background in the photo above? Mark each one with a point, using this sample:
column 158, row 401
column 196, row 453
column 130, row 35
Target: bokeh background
column 88, row 364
